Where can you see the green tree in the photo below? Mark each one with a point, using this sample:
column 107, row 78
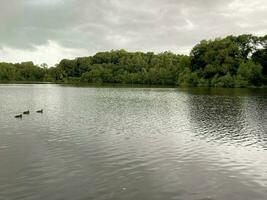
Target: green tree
column 251, row 72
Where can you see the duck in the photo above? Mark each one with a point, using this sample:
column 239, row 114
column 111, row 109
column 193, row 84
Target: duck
column 26, row 112
column 40, row 111
column 18, row 116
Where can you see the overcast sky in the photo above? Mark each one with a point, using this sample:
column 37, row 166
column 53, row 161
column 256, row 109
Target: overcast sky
column 49, row 30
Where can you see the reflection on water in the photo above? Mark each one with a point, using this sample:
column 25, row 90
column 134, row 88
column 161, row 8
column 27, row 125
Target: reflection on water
column 231, row 119
column 133, row 143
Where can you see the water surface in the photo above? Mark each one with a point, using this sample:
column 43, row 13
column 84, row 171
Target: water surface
column 133, row 143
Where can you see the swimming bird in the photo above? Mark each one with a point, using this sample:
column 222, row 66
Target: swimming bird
column 39, row 111
column 26, row 112
column 18, row 116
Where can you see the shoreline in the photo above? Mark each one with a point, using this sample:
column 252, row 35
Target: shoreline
column 122, row 85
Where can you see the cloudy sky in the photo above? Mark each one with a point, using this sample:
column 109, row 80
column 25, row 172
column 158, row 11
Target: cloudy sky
column 49, row 30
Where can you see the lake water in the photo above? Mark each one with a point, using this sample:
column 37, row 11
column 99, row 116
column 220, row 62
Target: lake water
column 133, row 143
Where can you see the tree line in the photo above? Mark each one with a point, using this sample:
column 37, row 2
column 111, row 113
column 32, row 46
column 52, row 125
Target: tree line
column 233, row 61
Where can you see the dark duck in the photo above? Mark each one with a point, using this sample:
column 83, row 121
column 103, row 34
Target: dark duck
column 26, row 112
column 18, row 116
column 40, row 111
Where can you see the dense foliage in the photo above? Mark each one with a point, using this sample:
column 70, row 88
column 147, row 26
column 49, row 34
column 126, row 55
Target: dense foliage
column 25, row 71
column 234, row 61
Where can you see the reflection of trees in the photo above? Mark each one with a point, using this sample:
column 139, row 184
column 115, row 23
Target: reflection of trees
column 255, row 111
column 238, row 119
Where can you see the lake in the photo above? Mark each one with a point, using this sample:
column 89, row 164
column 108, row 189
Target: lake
column 132, row 143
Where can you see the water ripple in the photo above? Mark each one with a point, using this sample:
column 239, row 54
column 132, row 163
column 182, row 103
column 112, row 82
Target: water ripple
column 121, row 143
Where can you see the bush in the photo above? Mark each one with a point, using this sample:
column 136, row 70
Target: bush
column 203, row 82
column 223, row 81
column 251, row 73
column 241, row 82
column 188, row 78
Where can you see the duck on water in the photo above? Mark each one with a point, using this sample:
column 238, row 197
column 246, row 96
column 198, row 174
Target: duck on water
column 26, row 112
column 40, row 111
column 18, row 116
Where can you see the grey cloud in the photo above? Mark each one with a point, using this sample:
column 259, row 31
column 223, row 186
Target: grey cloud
column 147, row 25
